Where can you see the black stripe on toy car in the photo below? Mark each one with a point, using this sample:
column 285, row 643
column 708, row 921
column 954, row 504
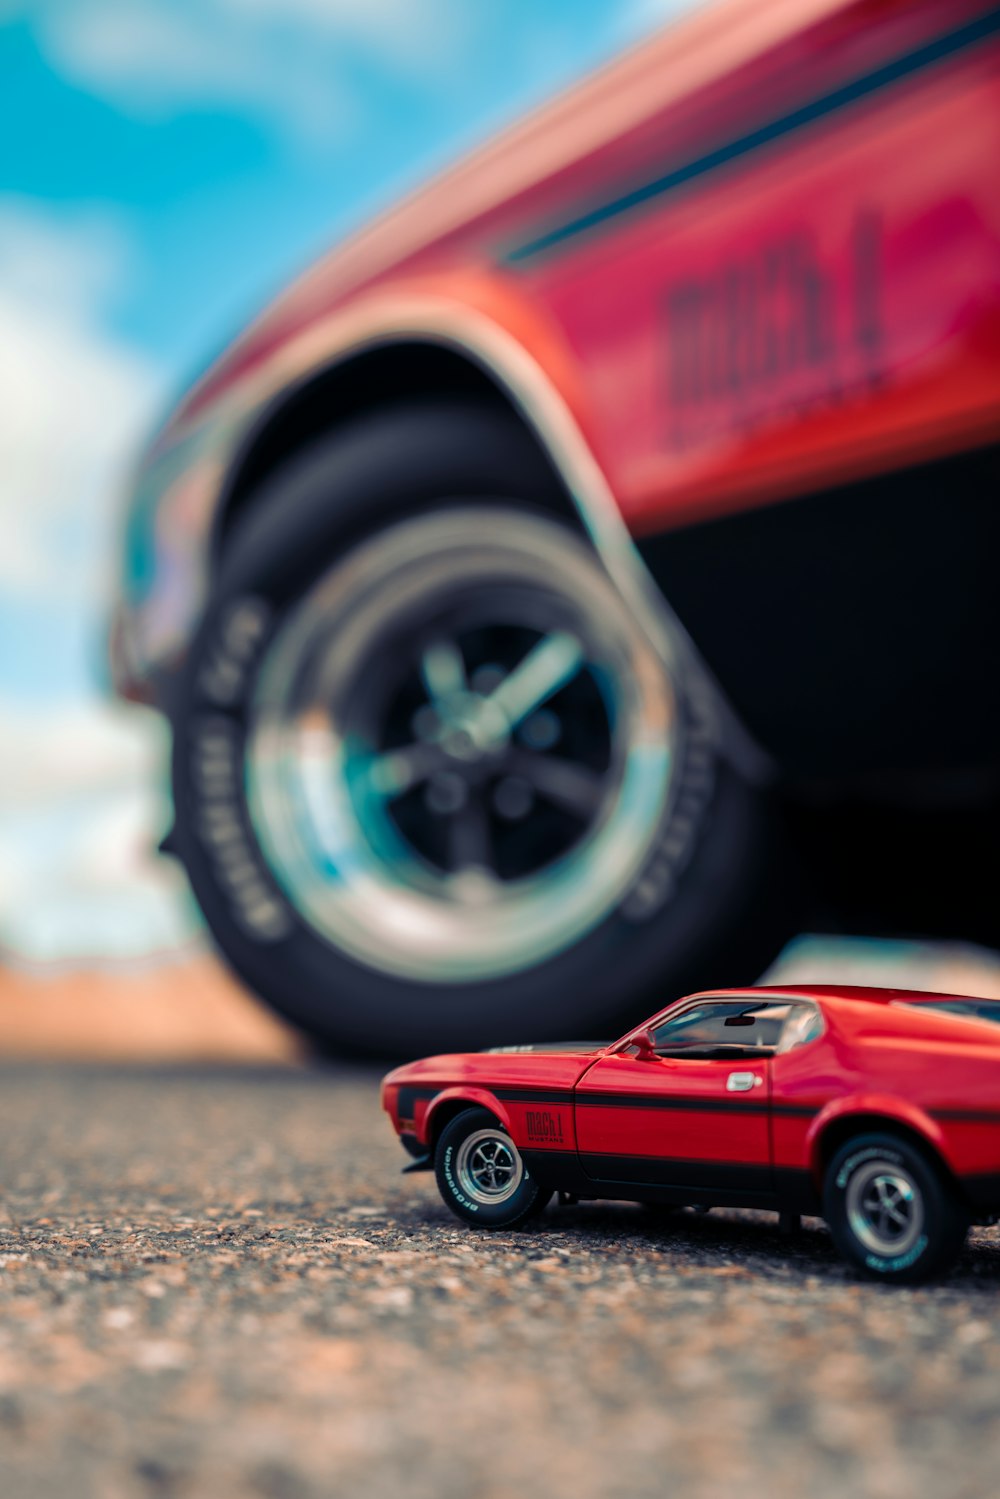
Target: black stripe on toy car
column 966, row 1116
column 751, row 1180
column 408, row 1098
column 677, row 1181
column 562, row 1097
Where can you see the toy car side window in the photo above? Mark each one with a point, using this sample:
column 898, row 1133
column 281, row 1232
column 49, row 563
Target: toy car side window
column 723, row 1027
column 803, row 1024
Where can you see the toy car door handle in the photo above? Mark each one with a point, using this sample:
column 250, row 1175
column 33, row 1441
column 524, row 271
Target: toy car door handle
column 743, row 1082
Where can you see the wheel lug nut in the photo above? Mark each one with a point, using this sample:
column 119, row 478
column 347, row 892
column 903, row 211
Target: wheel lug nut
column 513, row 798
column 486, row 679
column 446, row 792
column 542, row 730
column 459, row 744
column 425, row 723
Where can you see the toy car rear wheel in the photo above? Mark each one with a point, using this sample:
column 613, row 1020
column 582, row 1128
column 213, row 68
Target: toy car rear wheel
column 481, row 1174
column 434, row 787
column 891, row 1210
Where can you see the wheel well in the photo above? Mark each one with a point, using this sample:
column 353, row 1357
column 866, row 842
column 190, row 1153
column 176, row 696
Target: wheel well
column 372, row 380
column 446, row 1113
column 849, row 1125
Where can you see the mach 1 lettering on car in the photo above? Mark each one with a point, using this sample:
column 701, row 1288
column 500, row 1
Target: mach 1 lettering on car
column 773, row 330
column 540, row 1125
column 877, row 1108
column 584, row 578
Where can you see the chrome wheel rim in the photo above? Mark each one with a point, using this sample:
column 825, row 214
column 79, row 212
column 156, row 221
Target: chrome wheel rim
column 885, row 1208
column 488, row 1167
column 461, row 747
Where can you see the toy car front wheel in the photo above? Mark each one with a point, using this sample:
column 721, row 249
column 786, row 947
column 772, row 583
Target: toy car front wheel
column 481, row 1174
column 890, row 1210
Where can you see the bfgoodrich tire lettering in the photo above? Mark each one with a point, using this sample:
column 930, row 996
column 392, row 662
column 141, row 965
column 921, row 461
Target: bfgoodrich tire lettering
column 891, row 1210
column 694, row 902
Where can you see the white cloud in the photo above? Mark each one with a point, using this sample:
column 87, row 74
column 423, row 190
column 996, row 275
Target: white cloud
column 79, row 804
column 67, row 751
column 76, row 401
column 149, row 60
column 82, row 804
column 293, row 62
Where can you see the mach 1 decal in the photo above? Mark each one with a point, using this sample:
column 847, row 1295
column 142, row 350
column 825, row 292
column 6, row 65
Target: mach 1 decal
column 775, row 329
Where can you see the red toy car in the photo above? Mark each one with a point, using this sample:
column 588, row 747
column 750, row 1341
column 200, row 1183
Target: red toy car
column 878, row 1108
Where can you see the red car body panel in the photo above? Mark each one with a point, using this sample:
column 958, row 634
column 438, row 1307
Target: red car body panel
column 820, row 174
column 617, row 1117
column 474, row 1078
column 608, row 1123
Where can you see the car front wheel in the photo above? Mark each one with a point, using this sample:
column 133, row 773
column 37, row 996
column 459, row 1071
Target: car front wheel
column 434, row 786
column 481, row 1174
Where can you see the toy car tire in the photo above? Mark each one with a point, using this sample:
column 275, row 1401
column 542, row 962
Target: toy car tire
column 481, row 1174
column 371, row 952
column 891, row 1211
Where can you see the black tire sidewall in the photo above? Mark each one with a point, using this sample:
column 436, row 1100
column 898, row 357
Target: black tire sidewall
column 525, row 1202
column 715, row 871
column 944, row 1225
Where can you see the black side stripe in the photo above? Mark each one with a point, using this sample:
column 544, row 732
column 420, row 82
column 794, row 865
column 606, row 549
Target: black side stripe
column 410, row 1097
column 967, row 1116
column 723, row 1102
column 726, row 1176
column 562, row 1097
column 859, row 88
column 733, row 1104
column 565, row 1098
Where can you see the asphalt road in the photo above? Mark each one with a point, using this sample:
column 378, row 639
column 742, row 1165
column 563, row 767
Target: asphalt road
column 215, row 1282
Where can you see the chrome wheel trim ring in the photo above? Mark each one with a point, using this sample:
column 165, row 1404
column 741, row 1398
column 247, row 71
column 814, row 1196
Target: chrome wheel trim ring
column 885, row 1208
column 389, row 910
column 488, row 1167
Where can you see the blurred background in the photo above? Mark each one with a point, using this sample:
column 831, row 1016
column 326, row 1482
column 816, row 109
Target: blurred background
column 170, row 164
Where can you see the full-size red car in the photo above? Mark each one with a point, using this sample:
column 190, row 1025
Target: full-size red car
column 877, row 1108
column 585, row 578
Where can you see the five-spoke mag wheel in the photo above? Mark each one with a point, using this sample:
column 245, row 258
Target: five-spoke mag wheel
column 891, row 1208
column 885, row 1208
column 488, row 1167
column 460, row 748
column 481, row 1174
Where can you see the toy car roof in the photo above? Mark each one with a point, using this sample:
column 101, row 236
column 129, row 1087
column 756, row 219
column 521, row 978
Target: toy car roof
column 858, row 992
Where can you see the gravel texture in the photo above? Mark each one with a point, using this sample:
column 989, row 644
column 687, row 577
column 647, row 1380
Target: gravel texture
column 216, row 1282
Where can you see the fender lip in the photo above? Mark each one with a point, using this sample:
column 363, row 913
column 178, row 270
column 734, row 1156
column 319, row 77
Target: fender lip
column 886, row 1106
column 473, row 1097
